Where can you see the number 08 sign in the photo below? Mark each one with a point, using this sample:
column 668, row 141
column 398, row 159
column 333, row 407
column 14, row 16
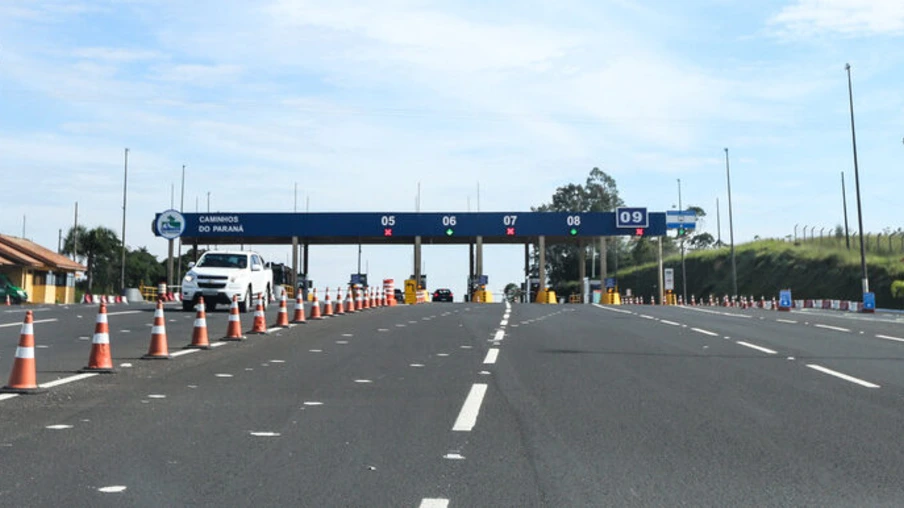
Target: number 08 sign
column 631, row 218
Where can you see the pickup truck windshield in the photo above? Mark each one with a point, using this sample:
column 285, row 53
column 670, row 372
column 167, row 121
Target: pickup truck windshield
column 224, row 261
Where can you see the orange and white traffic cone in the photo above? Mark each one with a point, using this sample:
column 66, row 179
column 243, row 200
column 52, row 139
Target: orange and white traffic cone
column 299, row 309
column 199, row 339
column 234, row 328
column 340, row 309
column 349, row 302
column 327, row 306
column 364, row 305
column 370, row 299
column 282, row 317
column 260, row 319
column 101, row 360
column 7, row 301
column 23, row 378
column 384, row 302
column 159, row 348
column 315, row 307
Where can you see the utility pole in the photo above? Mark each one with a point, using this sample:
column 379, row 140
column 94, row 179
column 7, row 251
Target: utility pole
column 734, row 266
column 125, row 187
column 181, row 210
column 683, row 266
column 865, row 279
column 75, row 235
column 718, row 224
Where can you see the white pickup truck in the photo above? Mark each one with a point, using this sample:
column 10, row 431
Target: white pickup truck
column 220, row 275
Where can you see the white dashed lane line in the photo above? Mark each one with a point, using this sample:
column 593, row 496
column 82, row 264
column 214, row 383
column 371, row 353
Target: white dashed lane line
column 845, row 377
column 889, row 337
column 754, row 346
column 433, row 502
column 492, row 354
column 467, row 417
column 705, row 332
column 19, row 323
column 829, row 327
column 670, row 323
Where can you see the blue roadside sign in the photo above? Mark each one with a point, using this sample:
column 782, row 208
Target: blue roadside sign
column 869, row 302
column 784, row 299
column 610, row 282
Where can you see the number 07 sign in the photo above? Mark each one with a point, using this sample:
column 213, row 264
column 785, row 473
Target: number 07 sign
column 631, row 218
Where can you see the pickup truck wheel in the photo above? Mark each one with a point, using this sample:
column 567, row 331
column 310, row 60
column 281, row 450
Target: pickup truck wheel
column 245, row 304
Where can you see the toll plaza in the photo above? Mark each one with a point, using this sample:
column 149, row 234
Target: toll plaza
column 475, row 229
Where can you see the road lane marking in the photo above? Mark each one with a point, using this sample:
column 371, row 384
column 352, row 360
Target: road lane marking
column 492, row 354
column 124, row 312
column 500, row 334
column 606, row 308
column 363, row 381
column 889, row 337
column 113, row 489
column 646, row 316
column 70, row 379
column 416, row 365
column 504, row 322
column 790, row 321
column 467, row 417
column 5, row 396
column 177, row 354
column 19, row 323
column 434, row 502
column 839, row 375
column 454, row 456
column 58, row 427
column 665, row 322
column 829, row 327
column 754, row 346
column 313, row 403
column 705, row 332
column 218, row 344
column 264, row 434
column 729, row 314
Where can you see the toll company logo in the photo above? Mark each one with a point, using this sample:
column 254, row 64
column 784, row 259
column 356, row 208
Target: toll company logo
column 170, row 224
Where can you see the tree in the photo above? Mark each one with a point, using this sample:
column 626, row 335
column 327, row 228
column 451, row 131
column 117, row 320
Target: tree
column 143, row 267
column 98, row 248
column 512, row 292
column 598, row 194
column 702, row 241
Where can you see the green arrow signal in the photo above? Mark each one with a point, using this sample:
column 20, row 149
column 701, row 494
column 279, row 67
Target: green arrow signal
column 449, row 232
column 573, row 231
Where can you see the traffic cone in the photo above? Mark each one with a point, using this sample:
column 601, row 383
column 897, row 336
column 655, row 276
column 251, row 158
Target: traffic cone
column 349, row 302
column 260, row 319
column 234, row 328
column 282, row 317
column 327, row 306
column 199, row 338
column 340, row 309
column 23, row 378
column 370, row 298
column 299, row 309
column 364, row 303
column 100, row 360
column 158, row 350
column 7, row 301
column 315, row 307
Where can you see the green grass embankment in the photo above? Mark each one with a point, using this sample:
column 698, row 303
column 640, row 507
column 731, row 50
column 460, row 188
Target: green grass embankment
column 810, row 269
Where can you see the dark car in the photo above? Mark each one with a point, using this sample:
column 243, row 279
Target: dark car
column 443, row 295
column 399, row 296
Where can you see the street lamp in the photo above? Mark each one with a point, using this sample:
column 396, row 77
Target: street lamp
column 864, row 279
column 734, row 266
column 683, row 267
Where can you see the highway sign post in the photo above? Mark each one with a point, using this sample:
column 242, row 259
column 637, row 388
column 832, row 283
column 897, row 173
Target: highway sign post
column 669, row 274
column 634, row 217
column 675, row 219
column 784, row 300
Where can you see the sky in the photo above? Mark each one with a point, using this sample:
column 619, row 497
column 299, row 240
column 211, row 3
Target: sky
column 357, row 103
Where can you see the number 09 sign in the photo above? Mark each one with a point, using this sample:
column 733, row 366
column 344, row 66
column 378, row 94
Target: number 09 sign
column 631, row 218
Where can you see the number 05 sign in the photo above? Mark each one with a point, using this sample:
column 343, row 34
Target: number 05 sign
column 631, row 218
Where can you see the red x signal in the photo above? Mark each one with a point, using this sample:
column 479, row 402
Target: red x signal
column 638, row 231
column 510, row 231
column 387, row 232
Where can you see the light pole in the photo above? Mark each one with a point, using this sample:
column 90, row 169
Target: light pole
column 683, row 267
column 125, row 186
column 734, row 266
column 847, row 232
column 181, row 210
column 865, row 278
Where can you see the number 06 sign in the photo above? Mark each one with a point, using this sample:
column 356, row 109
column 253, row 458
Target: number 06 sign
column 631, row 218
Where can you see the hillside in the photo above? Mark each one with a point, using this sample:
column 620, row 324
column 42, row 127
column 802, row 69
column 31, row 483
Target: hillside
column 811, row 269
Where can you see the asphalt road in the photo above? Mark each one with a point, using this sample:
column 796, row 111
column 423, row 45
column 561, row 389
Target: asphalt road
column 466, row 405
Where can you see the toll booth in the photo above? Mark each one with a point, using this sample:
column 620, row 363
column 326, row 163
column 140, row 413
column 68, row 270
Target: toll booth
column 477, row 289
column 412, row 289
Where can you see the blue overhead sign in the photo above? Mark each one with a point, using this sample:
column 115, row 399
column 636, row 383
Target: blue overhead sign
column 631, row 218
column 447, row 227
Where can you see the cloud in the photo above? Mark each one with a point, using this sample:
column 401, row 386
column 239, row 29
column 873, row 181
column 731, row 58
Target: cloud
column 853, row 18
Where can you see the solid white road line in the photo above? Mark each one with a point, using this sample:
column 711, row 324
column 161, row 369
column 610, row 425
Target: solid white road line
column 839, row 375
column 705, row 332
column 729, row 314
column 670, row 323
column 4, row 396
column 889, row 337
column 429, row 502
column 611, row 309
column 19, row 323
column 790, row 321
column 492, row 354
column 829, row 327
column 754, row 346
column 77, row 377
column 124, row 312
column 467, row 417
